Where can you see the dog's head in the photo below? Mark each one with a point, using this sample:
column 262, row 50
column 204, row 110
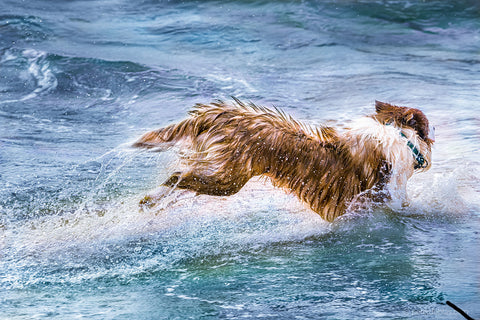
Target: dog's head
column 409, row 118
column 406, row 117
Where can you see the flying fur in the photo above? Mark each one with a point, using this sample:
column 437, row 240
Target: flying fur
column 327, row 169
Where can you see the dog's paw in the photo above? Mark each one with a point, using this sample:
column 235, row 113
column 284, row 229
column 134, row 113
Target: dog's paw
column 147, row 202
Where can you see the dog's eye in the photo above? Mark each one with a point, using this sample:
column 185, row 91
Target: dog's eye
column 412, row 123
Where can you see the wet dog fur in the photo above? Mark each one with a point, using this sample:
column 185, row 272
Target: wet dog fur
column 327, row 168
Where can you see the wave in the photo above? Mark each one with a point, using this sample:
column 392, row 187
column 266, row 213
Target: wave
column 417, row 11
column 19, row 28
column 31, row 73
column 107, row 235
column 119, row 239
column 36, row 68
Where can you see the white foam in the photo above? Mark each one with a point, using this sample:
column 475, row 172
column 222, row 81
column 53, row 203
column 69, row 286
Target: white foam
column 39, row 69
column 256, row 217
column 444, row 194
column 259, row 214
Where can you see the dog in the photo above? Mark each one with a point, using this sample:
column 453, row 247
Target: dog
column 326, row 168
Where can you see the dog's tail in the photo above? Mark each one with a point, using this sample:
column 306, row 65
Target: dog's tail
column 166, row 136
column 200, row 120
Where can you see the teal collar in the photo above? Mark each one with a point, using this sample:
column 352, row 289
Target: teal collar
column 421, row 161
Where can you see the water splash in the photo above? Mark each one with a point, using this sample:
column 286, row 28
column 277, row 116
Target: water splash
column 445, row 195
column 257, row 214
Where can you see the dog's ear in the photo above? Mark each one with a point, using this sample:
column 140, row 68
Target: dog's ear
column 382, row 107
column 416, row 120
column 409, row 119
column 388, row 113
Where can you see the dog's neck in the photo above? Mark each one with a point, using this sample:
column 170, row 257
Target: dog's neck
column 367, row 134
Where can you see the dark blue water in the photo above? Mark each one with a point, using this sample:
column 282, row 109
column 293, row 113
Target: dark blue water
column 81, row 80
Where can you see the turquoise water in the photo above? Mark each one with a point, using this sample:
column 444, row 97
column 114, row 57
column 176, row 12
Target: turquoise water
column 81, row 80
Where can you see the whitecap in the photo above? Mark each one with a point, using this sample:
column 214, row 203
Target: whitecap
column 39, row 70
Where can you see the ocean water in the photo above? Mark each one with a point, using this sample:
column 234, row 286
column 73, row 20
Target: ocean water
column 81, row 80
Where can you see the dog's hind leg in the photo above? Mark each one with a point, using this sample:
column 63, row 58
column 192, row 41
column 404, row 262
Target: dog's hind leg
column 214, row 185
column 164, row 197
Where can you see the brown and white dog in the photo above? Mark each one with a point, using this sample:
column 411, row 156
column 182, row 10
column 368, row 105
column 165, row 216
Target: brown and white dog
column 326, row 168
